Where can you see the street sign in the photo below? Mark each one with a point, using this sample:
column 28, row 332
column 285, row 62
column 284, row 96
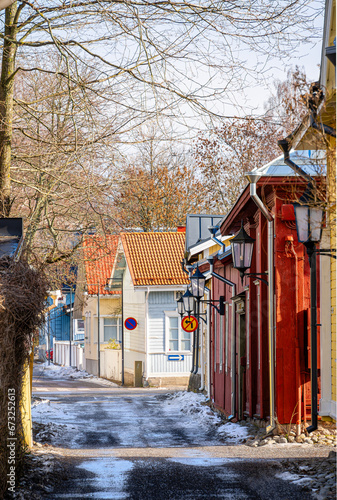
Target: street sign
column 175, row 357
column 130, row 323
column 189, row 323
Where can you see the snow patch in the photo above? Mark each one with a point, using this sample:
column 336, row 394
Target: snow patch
column 64, row 371
column 193, row 405
column 293, row 478
column 236, row 432
column 108, row 472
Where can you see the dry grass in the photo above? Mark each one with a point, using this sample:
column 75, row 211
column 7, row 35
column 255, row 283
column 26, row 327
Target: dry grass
column 22, row 300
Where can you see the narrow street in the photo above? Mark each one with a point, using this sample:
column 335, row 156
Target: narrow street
column 118, row 443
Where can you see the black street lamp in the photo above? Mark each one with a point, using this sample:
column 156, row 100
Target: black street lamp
column 194, row 297
column 198, row 282
column 309, row 221
column 242, row 251
column 188, row 301
column 309, row 224
column 180, row 304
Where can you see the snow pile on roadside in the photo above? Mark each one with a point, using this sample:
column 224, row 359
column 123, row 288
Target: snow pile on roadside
column 51, row 422
column 193, row 405
column 235, row 432
column 64, row 371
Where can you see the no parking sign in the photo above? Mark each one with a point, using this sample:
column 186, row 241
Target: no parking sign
column 130, row 323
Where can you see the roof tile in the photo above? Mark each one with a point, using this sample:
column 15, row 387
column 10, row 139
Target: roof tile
column 99, row 256
column 155, row 258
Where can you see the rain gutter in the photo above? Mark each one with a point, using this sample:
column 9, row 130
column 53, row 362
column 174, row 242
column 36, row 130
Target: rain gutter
column 253, row 178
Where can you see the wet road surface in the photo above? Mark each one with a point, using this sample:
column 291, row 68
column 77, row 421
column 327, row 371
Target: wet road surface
column 119, row 443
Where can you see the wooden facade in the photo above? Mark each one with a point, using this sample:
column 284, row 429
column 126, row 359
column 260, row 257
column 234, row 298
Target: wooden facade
column 239, row 355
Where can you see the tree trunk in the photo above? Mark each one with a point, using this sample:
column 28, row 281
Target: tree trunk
column 6, row 108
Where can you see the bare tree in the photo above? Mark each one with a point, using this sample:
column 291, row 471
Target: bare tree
column 153, row 55
column 157, row 185
column 59, row 172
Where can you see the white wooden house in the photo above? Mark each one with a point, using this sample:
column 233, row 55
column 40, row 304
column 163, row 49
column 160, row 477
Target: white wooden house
column 158, row 351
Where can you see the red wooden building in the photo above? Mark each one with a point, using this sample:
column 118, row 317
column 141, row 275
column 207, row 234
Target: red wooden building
column 249, row 350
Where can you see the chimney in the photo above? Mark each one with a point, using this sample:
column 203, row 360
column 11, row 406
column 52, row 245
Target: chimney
column 181, row 229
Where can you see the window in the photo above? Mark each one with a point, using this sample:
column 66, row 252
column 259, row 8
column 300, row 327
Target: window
column 112, row 329
column 78, row 329
column 176, row 338
column 87, row 327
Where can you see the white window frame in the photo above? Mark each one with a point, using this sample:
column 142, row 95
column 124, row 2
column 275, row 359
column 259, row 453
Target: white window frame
column 174, row 314
column 119, row 325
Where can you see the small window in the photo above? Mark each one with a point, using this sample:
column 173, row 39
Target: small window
column 112, row 329
column 177, row 339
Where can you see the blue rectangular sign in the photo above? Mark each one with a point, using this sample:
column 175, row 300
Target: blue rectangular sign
column 175, row 357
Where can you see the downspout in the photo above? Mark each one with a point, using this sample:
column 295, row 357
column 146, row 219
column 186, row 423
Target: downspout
column 213, row 230
column 285, row 146
column 325, row 129
column 253, row 178
column 233, row 344
column 202, row 378
column 146, row 333
column 208, row 340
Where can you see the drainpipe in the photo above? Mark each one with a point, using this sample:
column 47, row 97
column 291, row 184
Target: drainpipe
column 213, row 230
column 208, row 339
column 233, row 344
column 202, row 379
column 253, row 178
column 146, row 374
column 325, row 129
column 285, row 146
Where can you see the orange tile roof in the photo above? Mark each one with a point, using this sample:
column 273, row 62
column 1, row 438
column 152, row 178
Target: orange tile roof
column 99, row 256
column 155, row 258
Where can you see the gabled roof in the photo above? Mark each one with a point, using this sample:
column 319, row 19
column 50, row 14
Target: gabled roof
column 99, row 256
column 155, row 258
column 313, row 162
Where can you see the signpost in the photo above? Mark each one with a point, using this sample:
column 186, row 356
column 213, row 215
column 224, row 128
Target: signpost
column 189, row 323
column 130, row 323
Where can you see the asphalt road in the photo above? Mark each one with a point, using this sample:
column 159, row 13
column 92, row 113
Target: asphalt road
column 118, row 443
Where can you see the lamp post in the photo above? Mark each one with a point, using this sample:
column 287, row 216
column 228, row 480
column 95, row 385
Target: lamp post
column 186, row 304
column 309, row 223
column 198, row 282
column 112, row 283
column 188, row 301
column 242, row 252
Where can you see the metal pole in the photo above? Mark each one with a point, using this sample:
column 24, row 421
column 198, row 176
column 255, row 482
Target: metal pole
column 122, row 337
column 71, row 326
column 98, row 336
column 197, row 338
column 49, row 337
column 313, row 334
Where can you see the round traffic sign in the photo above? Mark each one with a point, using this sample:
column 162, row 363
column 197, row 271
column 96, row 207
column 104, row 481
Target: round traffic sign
column 130, row 323
column 189, row 323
